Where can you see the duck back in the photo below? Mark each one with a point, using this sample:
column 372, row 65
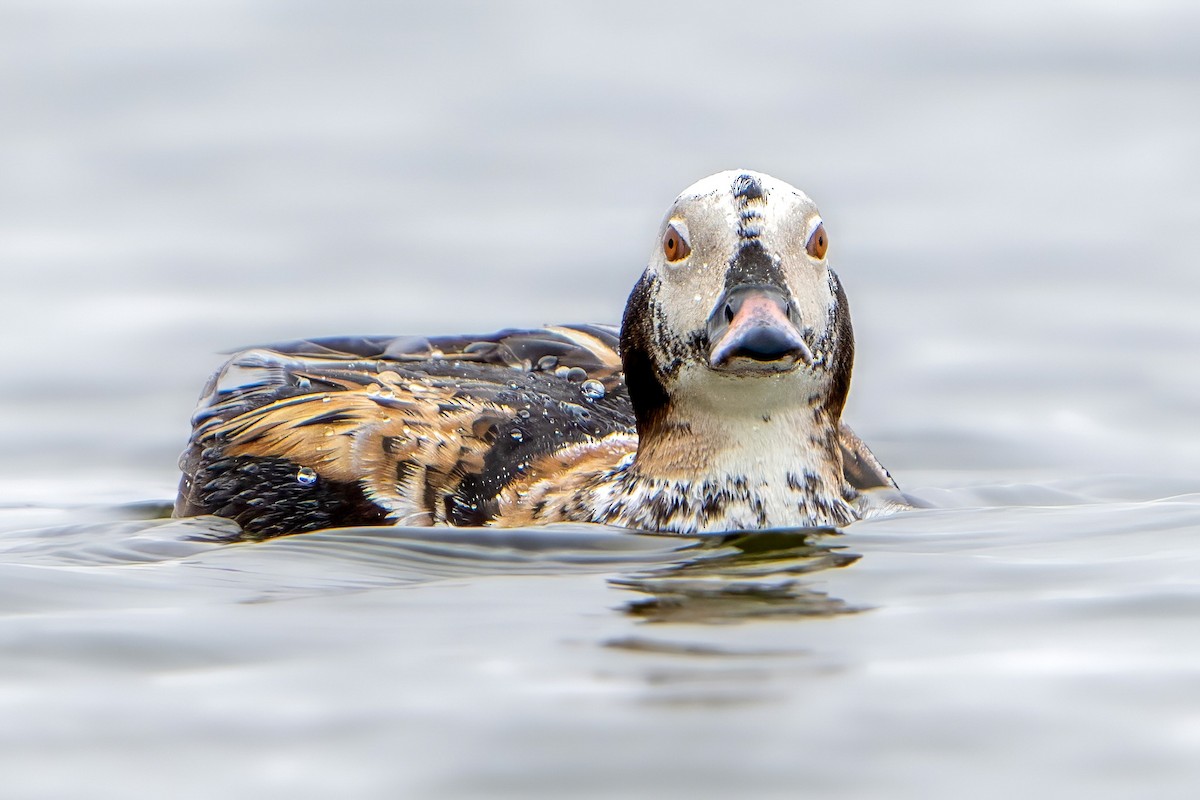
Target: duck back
column 345, row 431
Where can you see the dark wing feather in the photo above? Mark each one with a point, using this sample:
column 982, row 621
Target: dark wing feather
column 860, row 466
column 590, row 347
column 523, row 391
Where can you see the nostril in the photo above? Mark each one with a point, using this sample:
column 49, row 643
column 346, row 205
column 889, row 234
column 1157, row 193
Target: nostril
column 794, row 315
column 729, row 312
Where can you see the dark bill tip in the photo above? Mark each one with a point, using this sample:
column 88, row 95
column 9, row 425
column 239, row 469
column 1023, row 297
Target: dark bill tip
column 751, row 329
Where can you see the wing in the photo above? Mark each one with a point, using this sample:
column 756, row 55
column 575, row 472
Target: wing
column 592, row 348
column 375, row 429
column 860, row 466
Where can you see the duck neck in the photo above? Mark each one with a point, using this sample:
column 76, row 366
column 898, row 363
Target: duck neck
column 696, row 443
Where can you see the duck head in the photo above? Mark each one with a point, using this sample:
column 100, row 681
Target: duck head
column 738, row 313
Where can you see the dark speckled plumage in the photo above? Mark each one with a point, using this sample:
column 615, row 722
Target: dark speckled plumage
column 522, row 389
column 567, row 423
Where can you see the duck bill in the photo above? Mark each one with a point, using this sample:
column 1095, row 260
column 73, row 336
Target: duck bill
column 752, row 330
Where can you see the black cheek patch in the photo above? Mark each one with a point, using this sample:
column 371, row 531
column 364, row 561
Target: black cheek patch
column 646, row 391
column 843, row 350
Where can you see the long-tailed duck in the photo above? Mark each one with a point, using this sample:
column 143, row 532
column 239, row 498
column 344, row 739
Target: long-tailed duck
column 719, row 407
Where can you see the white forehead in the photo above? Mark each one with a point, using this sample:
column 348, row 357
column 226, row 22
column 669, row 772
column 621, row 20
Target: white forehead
column 721, row 185
column 723, row 210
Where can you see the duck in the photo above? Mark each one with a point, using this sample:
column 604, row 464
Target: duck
column 716, row 405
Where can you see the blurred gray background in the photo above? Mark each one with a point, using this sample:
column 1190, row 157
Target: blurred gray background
column 1010, row 190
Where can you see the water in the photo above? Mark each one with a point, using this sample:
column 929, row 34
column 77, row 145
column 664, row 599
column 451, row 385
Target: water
column 1010, row 195
column 592, row 390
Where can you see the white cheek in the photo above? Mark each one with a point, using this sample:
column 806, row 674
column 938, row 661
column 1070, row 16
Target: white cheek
column 813, row 298
column 685, row 298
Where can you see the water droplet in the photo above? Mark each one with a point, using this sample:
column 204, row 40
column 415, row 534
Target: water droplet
column 592, row 389
column 306, row 476
column 547, row 362
column 303, row 383
column 516, row 435
column 523, row 413
column 576, row 374
column 326, row 399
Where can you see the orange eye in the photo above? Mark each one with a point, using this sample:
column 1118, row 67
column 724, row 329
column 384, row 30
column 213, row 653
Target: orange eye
column 675, row 245
column 818, row 243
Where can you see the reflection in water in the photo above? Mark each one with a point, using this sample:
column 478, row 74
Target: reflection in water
column 707, row 579
column 729, row 578
column 742, row 576
column 642, row 644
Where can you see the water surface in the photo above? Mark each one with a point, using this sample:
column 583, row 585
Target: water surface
column 1011, row 195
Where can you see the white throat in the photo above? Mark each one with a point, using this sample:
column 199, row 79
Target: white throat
column 772, row 468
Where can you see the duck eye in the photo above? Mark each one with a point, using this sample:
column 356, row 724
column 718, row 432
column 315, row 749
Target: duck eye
column 818, row 242
column 675, row 245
